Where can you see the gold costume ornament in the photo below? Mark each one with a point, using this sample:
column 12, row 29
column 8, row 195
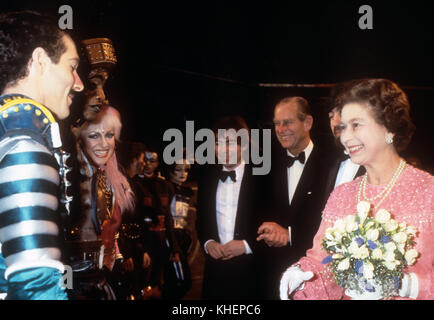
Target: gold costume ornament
column 104, row 195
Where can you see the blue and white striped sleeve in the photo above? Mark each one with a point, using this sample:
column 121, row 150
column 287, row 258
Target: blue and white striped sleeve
column 29, row 231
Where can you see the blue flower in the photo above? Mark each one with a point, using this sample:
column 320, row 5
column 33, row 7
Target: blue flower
column 385, row 239
column 327, row 259
column 372, row 245
column 397, row 282
column 369, row 287
column 359, row 267
column 359, row 241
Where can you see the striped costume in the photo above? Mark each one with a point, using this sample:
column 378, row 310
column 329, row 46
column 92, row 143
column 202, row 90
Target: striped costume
column 30, row 186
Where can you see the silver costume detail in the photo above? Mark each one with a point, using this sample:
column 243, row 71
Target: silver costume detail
column 37, row 257
column 61, row 157
column 29, row 185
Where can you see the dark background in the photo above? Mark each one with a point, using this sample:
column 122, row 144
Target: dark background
column 184, row 60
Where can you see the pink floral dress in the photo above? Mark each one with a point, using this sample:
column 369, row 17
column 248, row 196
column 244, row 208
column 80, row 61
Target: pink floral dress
column 410, row 201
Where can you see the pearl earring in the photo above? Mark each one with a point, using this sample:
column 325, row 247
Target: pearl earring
column 389, row 139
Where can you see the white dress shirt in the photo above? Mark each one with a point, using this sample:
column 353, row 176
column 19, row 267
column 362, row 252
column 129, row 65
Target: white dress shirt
column 227, row 197
column 347, row 172
column 294, row 174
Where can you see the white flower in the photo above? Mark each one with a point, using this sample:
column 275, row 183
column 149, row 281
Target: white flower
column 390, row 246
column 389, row 256
column 391, row 265
column 353, row 248
column 329, row 234
column 363, row 208
column 338, row 236
column 402, row 226
column 382, row 216
column 331, row 243
column 332, row 235
column 372, row 234
column 339, row 226
column 368, row 270
column 391, row 225
column 344, row 264
column 410, row 256
column 364, row 252
column 358, row 252
column 341, row 249
column 377, row 254
column 399, row 237
column 350, row 223
column 401, row 247
column 337, row 256
column 411, row 230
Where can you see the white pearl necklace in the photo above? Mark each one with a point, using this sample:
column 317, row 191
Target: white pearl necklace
column 385, row 192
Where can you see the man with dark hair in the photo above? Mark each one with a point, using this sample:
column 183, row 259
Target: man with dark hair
column 227, row 217
column 132, row 157
column 38, row 77
column 295, row 191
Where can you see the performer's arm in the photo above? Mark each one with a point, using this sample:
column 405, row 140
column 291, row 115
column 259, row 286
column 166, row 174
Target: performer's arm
column 29, row 184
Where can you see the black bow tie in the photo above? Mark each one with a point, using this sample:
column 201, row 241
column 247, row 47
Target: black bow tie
column 301, row 157
column 225, row 174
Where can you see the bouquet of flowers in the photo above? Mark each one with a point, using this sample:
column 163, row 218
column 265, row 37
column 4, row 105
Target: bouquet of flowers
column 368, row 254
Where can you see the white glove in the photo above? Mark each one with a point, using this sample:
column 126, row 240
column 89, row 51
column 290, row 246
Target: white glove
column 409, row 286
column 292, row 279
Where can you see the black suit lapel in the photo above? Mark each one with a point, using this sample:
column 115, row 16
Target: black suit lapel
column 280, row 176
column 360, row 172
column 213, row 198
column 306, row 179
column 243, row 200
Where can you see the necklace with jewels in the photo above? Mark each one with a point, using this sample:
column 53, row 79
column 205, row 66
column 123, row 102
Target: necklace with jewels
column 385, row 192
column 106, row 190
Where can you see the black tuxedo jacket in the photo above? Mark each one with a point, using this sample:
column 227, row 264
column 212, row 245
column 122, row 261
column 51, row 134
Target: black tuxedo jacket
column 235, row 278
column 303, row 214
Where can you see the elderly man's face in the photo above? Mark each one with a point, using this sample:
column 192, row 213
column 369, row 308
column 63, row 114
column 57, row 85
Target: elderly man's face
column 291, row 132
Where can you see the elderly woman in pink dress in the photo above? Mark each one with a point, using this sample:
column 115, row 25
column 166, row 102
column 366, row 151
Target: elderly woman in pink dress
column 376, row 126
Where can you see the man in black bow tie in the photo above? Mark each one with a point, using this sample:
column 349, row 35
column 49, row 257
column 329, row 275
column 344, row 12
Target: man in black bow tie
column 227, row 217
column 296, row 189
